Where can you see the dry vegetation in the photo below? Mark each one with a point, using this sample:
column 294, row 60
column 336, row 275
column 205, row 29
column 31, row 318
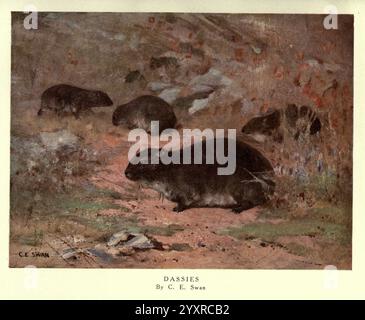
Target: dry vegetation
column 77, row 196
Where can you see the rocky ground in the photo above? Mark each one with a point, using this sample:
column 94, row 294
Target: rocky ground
column 69, row 198
column 72, row 206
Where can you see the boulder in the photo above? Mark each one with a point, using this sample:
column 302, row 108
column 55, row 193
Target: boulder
column 158, row 86
column 170, row 95
column 213, row 78
column 198, row 104
column 140, row 241
column 118, row 237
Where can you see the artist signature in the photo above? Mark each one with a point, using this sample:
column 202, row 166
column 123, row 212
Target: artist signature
column 33, row 254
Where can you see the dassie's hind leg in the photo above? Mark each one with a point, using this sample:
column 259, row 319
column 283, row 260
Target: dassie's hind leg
column 75, row 111
column 180, row 207
column 253, row 194
column 59, row 107
column 244, row 205
column 182, row 203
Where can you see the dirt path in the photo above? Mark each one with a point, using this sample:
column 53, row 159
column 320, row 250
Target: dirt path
column 204, row 245
column 196, row 238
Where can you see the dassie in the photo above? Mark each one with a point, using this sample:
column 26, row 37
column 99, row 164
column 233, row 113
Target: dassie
column 199, row 185
column 64, row 98
column 139, row 113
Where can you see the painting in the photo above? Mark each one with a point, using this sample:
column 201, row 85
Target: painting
column 181, row 140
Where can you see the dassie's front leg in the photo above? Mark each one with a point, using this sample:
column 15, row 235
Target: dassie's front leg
column 58, row 112
column 180, row 200
column 244, row 205
column 180, row 207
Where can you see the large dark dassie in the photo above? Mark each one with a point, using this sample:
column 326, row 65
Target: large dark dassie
column 139, row 113
column 199, row 185
column 64, row 98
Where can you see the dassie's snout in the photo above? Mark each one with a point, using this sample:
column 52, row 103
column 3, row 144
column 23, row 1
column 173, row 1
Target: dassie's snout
column 246, row 129
column 109, row 102
column 115, row 120
column 129, row 174
column 104, row 99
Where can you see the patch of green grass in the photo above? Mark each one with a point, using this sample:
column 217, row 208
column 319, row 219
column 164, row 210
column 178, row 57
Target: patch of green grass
column 84, row 201
column 90, row 206
column 274, row 213
column 34, row 239
column 93, row 191
column 298, row 249
column 79, row 200
column 114, row 224
column 108, row 224
column 323, row 183
column 298, row 227
column 331, row 214
column 323, row 212
column 324, row 186
column 270, row 232
column 169, row 230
